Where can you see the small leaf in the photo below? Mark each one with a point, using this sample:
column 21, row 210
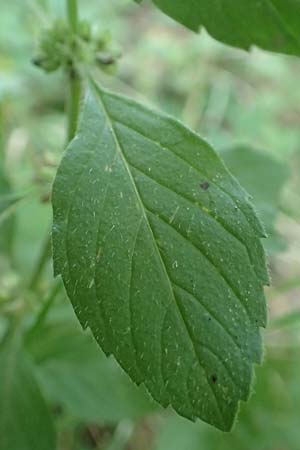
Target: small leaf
column 160, row 253
column 270, row 24
column 25, row 422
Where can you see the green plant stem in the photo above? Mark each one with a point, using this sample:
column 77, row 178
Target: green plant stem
column 72, row 10
column 73, row 102
column 42, row 315
column 73, row 106
column 41, row 262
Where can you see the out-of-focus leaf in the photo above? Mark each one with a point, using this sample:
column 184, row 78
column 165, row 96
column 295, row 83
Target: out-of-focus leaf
column 268, row 422
column 77, row 375
column 177, row 433
column 270, row 24
column 7, row 224
column 288, row 320
column 25, row 422
column 160, row 252
column 264, row 178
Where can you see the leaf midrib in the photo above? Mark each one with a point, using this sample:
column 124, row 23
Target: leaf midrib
column 243, row 305
column 206, row 176
column 119, row 147
column 230, row 197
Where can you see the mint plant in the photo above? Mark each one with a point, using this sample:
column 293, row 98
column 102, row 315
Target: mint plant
column 159, row 251
column 158, row 245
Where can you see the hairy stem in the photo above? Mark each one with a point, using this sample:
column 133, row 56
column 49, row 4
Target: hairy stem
column 73, row 102
column 72, row 108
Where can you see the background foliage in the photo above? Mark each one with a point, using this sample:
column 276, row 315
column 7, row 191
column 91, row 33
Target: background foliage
column 247, row 105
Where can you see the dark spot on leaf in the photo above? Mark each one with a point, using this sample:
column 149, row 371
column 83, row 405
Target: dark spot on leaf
column 214, row 378
column 205, row 185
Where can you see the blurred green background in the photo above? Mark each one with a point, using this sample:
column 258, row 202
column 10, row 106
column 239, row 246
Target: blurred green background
column 248, row 106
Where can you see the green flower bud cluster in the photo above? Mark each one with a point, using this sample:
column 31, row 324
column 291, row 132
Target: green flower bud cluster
column 60, row 47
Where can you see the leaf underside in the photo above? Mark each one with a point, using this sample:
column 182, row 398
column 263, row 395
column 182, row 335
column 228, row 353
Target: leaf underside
column 160, row 252
column 270, row 24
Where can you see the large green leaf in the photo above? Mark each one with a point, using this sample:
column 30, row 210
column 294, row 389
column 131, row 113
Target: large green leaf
column 25, row 422
column 270, row 24
column 160, row 253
